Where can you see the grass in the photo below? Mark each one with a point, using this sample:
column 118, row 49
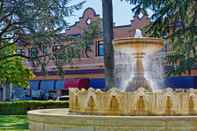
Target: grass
column 13, row 123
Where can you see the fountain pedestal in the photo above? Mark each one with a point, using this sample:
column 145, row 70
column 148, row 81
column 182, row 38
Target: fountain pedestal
column 138, row 80
column 139, row 47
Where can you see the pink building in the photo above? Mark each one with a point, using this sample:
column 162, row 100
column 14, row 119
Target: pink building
column 92, row 66
column 88, row 69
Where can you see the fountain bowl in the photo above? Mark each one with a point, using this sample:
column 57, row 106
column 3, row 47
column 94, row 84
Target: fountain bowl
column 147, row 111
column 145, row 45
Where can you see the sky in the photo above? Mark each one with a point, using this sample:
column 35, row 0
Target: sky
column 122, row 13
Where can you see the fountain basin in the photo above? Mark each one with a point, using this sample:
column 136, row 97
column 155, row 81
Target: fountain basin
column 139, row 102
column 62, row 120
column 145, row 45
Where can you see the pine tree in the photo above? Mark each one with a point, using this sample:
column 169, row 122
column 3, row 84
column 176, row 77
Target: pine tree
column 177, row 21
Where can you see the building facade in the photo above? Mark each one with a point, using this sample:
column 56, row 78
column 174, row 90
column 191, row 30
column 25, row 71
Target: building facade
column 91, row 67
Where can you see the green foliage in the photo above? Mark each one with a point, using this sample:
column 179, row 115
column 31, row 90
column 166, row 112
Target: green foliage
column 38, row 23
column 77, row 46
column 44, row 24
column 89, row 35
column 47, row 33
column 183, row 56
column 177, row 20
column 35, row 22
column 21, row 107
column 12, row 68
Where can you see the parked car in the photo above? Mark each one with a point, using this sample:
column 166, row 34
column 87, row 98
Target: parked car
column 63, row 98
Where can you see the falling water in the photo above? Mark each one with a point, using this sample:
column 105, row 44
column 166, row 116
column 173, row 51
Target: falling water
column 125, row 68
column 154, row 71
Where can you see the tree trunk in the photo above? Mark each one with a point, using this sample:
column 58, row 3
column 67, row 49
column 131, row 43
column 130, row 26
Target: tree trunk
column 108, row 47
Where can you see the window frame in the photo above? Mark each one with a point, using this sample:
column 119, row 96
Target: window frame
column 99, row 44
column 20, row 51
column 45, row 50
column 31, row 52
column 55, row 48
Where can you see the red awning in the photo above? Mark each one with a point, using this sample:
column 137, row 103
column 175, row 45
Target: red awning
column 76, row 83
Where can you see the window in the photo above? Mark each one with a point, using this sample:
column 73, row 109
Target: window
column 58, row 52
column 88, row 21
column 56, row 48
column 44, row 50
column 33, row 52
column 75, row 35
column 20, row 51
column 100, row 48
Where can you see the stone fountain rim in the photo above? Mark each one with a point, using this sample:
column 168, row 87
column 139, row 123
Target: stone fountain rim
column 66, row 113
column 43, row 122
column 130, row 40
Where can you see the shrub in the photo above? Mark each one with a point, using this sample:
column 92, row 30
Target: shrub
column 21, row 107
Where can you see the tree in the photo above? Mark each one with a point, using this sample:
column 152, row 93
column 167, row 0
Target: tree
column 12, row 68
column 88, row 37
column 78, row 45
column 108, row 47
column 177, row 20
column 30, row 22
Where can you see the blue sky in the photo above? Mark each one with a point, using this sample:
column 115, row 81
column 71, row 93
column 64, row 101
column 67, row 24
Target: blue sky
column 121, row 11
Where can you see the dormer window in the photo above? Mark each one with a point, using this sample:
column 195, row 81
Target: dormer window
column 55, row 48
column 140, row 15
column 88, row 21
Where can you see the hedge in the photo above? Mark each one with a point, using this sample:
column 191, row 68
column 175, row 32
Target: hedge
column 21, row 107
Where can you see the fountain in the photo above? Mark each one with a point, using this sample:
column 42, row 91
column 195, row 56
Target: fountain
column 138, row 47
column 137, row 106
